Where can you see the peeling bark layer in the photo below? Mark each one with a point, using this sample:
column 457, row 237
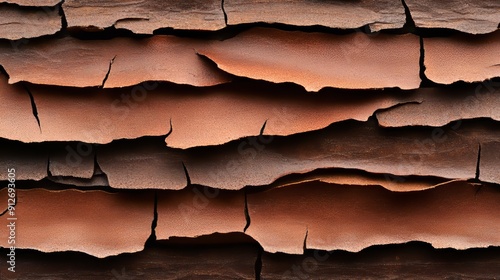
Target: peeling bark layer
column 351, row 218
column 199, row 116
column 443, row 152
column 18, row 23
column 441, row 106
column 378, row 15
column 54, row 221
column 449, row 152
column 318, row 60
column 118, row 62
column 153, row 165
column 462, row 58
column 349, row 177
column 215, row 117
column 145, row 16
column 468, row 16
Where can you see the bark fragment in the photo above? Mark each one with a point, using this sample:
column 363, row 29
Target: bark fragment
column 146, row 165
column 54, row 221
column 18, row 23
column 469, row 16
column 145, row 16
column 197, row 211
column 441, row 106
column 93, row 116
column 462, row 57
column 18, row 122
column 385, row 14
column 355, row 217
column 85, row 63
column 316, row 60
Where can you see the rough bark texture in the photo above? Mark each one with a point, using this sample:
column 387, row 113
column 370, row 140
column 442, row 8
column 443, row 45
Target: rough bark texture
column 475, row 17
column 249, row 139
column 317, row 60
column 18, row 23
column 145, row 16
column 387, row 14
column 55, row 221
column 323, row 216
column 119, row 62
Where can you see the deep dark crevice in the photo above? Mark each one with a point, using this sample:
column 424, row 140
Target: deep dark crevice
column 410, row 23
column 224, row 11
column 33, row 106
column 231, row 31
column 64, row 22
column 188, row 179
column 109, row 71
column 258, row 264
column 168, row 133
column 425, row 82
column 247, row 215
column 263, row 128
column 152, row 238
column 421, row 73
column 478, row 163
column 393, row 107
column 4, row 72
column 170, row 130
column 97, row 168
column 103, row 34
column 297, row 177
column 305, row 240
column 49, row 174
